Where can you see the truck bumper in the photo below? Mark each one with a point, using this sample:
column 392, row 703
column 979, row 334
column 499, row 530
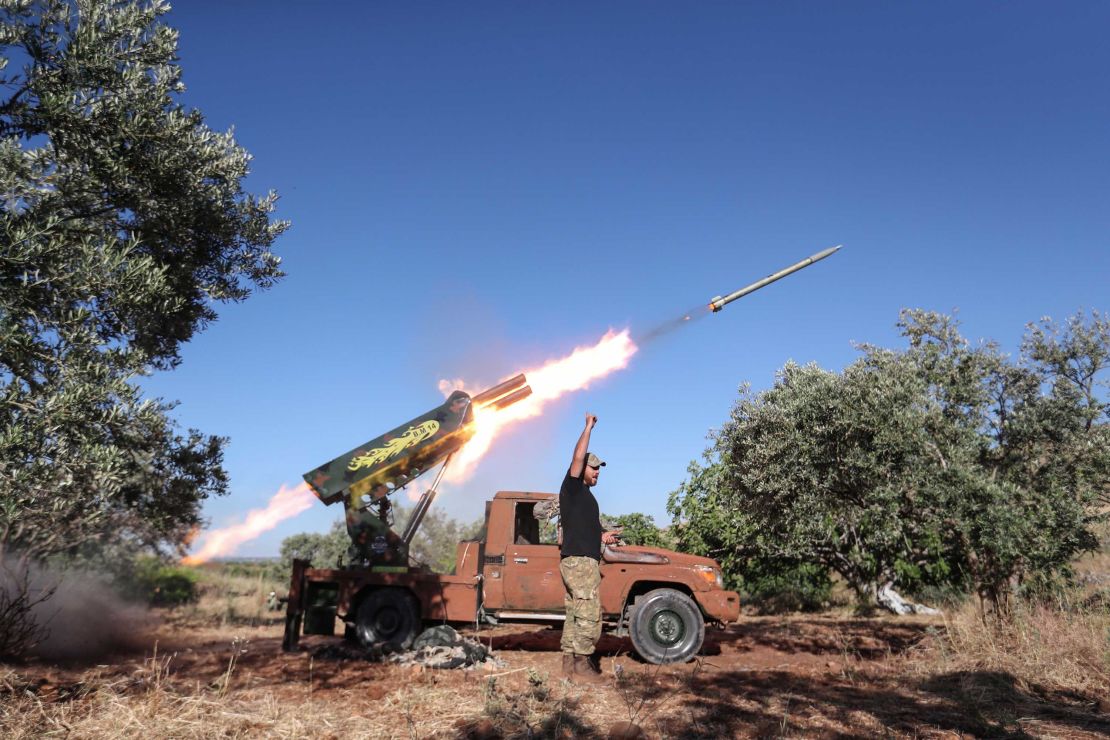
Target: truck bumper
column 724, row 606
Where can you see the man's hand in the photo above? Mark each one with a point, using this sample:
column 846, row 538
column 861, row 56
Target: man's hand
column 591, row 420
column 612, row 537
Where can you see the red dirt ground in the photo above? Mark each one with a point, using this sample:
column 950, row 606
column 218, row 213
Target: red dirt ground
column 812, row 676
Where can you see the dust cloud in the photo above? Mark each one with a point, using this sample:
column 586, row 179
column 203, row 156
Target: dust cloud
column 86, row 619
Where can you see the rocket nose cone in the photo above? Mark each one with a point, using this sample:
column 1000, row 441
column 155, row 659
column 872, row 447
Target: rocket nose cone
column 826, row 252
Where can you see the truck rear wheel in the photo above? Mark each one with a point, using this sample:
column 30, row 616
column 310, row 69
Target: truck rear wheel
column 666, row 626
column 387, row 615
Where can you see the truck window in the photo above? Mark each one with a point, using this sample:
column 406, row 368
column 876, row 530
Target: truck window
column 528, row 530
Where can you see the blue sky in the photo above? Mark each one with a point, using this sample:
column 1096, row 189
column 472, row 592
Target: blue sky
column 476, row 188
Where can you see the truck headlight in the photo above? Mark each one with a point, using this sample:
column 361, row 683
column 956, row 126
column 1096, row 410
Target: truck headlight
column 710, row 574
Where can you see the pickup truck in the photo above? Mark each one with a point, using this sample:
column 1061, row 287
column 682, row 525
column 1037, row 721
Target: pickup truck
column 661, row 599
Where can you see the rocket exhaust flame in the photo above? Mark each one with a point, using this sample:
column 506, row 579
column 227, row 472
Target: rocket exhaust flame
column 521, row 397
column 286, row 503
column 556, row 378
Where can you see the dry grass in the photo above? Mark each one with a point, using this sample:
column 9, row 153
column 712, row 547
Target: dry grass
column 1043, row 675
column 1093, row 569
column 1045, row 650
column 132, row 708
column 151, row 704
column 1060, row 650
column 154, row 700
column 232, row 599
column 962, row 679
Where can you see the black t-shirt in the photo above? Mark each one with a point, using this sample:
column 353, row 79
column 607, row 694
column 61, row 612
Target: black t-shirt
column 580, row 518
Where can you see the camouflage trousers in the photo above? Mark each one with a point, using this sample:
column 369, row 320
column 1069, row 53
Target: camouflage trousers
column 582, row 628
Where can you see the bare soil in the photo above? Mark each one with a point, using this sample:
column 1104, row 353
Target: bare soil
column 811, row 676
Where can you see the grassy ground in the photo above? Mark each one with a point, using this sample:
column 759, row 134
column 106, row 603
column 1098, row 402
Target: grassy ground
column 218, row 671
column 234, row 594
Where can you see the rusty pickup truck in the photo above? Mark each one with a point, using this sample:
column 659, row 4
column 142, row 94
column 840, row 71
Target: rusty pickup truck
column 661, row 599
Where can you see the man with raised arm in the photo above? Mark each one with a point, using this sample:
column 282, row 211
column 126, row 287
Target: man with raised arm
column 580, row 564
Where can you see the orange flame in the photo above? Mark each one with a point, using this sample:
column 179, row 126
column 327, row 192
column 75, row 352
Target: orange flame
column 574, row 372
column 287, row 502
column 190, row 536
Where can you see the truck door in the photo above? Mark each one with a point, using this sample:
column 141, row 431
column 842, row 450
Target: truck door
column 531, row 580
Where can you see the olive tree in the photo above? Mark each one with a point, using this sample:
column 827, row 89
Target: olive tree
column 437, row 539
column 124, row 225
column 941, row 463
column 640, row 529
column 1042, row 475
column 322, row 550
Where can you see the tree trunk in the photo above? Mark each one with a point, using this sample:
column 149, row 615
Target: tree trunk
column 892, row 601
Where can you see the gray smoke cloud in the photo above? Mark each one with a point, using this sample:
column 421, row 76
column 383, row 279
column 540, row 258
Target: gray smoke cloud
column 85, row 618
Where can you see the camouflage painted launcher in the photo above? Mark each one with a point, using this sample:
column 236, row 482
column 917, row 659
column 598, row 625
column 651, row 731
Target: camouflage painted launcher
column 385, row 463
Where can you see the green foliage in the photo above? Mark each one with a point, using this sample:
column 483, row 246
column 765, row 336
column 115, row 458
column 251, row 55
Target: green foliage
column 161, row 584
column 434, row 545
column 776, row 585
column 262, row 568
column 125, row 223
column 549, row 532
column 938, row 466
column 640, row 529
column 322, row 550
column 437, row 539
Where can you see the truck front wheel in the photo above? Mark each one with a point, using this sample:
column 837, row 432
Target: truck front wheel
column 666, row 626
column 387, row 615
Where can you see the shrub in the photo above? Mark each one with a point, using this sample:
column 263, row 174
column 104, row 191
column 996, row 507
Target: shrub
column 160, row 584
column 779, row 585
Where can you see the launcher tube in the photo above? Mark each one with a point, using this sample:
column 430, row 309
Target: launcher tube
column 491, row 394
column 518, row 395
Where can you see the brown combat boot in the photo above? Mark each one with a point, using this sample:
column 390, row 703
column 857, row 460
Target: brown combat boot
column 585, row 672
column 568, row 666
column 594, row 661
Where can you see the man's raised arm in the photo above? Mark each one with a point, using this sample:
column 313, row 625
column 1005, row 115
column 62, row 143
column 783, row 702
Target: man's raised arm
column 578, row 462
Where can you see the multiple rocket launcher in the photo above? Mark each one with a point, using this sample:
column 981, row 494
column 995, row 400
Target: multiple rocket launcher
column 386, row 463
column 383, row 465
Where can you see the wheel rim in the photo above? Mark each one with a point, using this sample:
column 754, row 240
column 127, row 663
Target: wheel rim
column 387, row 622
column 667, row 628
